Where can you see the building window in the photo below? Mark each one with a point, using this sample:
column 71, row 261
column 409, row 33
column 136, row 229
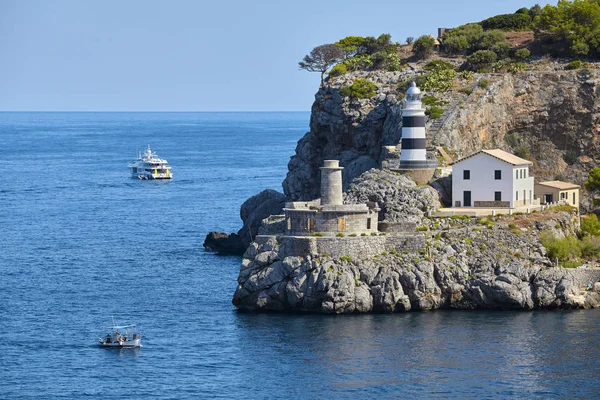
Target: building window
column 563, row 195
column 526, row 172
column 289, row 224
column 517, row 195
column 497, row 196
column 341, row 224
column 467, row 174
column 497, row 174
column 368, row 223
column 573, row 198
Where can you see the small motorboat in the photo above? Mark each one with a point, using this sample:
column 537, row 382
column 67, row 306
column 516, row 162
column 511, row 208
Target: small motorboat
column 121, row 337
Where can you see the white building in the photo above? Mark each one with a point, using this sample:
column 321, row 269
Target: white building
column 492, row 179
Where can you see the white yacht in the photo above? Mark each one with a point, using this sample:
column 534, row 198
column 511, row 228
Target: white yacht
column 149, row 166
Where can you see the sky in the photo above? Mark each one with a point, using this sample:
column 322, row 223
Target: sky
column 186, row 55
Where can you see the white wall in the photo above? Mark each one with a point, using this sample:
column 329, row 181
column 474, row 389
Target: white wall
column 521, row 185
column 483, row 183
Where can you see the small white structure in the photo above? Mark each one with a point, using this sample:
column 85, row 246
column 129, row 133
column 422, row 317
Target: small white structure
column 492, row 179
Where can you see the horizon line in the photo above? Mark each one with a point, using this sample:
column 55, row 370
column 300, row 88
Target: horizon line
column 150, row 111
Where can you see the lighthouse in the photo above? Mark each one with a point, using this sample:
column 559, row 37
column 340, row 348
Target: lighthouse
column 414, row 154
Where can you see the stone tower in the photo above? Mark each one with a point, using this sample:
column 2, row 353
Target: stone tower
column 414, row 154
column 331, row 183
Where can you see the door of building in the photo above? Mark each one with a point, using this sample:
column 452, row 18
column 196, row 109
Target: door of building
column 547, row 198
column 467, row 198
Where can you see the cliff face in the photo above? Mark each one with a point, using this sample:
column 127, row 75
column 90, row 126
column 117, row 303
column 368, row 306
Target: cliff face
column 350, row 131
column 547, row 114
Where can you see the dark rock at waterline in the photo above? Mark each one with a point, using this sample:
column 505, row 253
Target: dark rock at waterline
column 252, row 212
column 224, row 243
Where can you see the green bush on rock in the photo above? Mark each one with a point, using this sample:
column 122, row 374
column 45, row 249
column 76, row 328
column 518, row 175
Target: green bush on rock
column 360, row 89
column 338, row 69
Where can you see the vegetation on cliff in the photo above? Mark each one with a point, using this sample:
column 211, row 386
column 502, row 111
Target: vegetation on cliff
column 568, row 29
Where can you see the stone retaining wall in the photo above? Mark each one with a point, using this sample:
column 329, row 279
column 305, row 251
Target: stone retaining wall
column 363, row 247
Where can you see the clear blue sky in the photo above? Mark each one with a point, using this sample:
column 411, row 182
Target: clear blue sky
column 185, row 55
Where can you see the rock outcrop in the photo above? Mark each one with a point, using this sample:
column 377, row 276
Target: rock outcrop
column 400, row 199
column 252, row 212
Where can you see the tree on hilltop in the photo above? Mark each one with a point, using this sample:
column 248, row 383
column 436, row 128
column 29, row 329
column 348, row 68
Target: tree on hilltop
column 423, row 46
column 351, row 45
column 321, row 58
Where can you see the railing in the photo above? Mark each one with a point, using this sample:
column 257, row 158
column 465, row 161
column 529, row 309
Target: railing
column 398, row 164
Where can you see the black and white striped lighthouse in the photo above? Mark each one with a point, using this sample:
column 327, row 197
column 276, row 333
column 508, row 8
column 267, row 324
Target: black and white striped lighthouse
column 414, row 153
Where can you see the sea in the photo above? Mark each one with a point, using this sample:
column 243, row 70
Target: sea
column 82, row 243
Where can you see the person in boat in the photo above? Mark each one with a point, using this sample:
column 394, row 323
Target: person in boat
column 108, row 338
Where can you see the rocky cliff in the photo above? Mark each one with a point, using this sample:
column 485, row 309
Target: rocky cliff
column 547, row 114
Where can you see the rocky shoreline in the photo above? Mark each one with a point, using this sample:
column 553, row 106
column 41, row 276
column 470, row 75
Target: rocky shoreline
column 465, row 265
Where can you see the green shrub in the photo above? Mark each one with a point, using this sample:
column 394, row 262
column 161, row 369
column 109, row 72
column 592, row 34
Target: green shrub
column 508, row 22
column 437, row 65
column 392, row 62
column 360, row 89
column 564, row 249
column 338, row 69
column 486, row 222
column 318, row 234
column 346, row 258
column 434, row 112
column 564, row 208
column 466, row 91
column 438, row 80
column 517, row 67
column 381, row 233
column 590, row 247
column 363, row 234
column 570, row 264
column 460, row 217
column 373, row 233
column 359, row 62
column 482, row 59
column 431, row 101
column 460, row 39
column 340, row 234
column 483, row 84
column 490, row 39
column 522, row 54
column 466, row 75
column 577, row 64
column 590, row 226
column 352, row 235
column 468, row 241
column 422, row 228
column 325, row 254
column 423, row 46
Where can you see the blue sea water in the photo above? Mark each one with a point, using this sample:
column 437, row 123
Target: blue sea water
column 81, row 241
